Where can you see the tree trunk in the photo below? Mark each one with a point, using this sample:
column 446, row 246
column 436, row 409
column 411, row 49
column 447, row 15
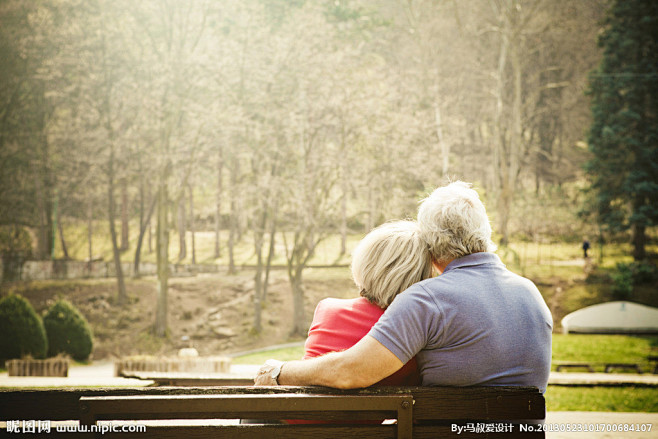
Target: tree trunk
column 258, row 277
column 218, row 201
column 138, row 250
column 182, row 244
column 192, row 223
column 370, row 223
column 45, row 229
column 121, row 296
column 270, row 254
column 125, row 230
column 639, row 242
column 150, row 238
column 234, row 218
column 445, row 147
column 162, row 258
column 500, row 164
column 60, row 229
column 145, row 223
column 504, row 207
column 343, row 219
column 300, row 327
column 149, row 225
column 90, row 213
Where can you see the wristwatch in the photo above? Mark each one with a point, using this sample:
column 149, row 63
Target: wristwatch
column 276, row 371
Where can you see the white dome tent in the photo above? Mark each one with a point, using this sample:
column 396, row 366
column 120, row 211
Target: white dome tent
column 612, row 318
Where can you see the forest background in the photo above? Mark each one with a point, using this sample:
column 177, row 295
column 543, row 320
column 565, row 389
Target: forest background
column 276, row 133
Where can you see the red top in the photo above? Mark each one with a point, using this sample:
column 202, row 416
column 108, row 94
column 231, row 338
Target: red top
column 338, row 324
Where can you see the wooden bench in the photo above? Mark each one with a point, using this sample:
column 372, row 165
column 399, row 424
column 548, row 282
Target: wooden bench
column 632, row 366
column 183, row 379
column 575, row 366
column 420, row 412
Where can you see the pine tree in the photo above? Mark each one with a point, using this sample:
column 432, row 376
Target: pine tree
column 624, row 133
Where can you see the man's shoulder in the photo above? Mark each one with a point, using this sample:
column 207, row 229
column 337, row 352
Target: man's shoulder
column 472, row 277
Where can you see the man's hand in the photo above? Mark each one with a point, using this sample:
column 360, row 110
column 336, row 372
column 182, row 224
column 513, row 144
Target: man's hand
column 268, row 373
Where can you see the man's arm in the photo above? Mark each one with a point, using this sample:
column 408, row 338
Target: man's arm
column 362, row 365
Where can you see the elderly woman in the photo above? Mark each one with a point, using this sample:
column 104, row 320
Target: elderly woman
column 475, row 324
column 386, row 262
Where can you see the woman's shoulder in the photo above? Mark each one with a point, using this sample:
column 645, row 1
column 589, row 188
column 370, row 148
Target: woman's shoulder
column 359, row 305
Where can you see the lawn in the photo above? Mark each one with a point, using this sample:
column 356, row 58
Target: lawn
column 597, row 349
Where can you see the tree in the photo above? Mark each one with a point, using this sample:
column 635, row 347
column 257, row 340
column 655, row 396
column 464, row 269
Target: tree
column 623, row 137
column 26, row 169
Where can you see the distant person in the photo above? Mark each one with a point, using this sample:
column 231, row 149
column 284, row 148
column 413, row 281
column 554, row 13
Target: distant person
column 476, row 323
column 585, row 248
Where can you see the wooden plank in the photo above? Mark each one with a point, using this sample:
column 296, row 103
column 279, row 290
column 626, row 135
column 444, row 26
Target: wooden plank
column 182, row 379
column 62, row 404
column 263, row 431
column 633, row 366
column 575, row 366
column 482, row 403
column 278, row 406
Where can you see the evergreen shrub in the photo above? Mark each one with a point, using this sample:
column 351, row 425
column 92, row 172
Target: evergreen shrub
column 629, row 275
column 21, row 330
column 68, row 331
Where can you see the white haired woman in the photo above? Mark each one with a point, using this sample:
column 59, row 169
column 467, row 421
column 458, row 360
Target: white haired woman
column 386, row 262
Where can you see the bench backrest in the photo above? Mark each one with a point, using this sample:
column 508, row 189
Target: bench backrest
column 419, row 411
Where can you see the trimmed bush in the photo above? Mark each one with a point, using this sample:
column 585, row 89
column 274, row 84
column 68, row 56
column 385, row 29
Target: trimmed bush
column 68, row 331
column 21, row 330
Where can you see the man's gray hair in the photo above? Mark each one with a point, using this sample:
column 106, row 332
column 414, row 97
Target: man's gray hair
column 390, row 259
column 454, row 223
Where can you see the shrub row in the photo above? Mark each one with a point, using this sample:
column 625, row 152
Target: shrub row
column 23, row 333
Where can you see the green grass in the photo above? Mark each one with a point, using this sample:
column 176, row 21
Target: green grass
column 283, row 354
column 603, row 349
column 602, row 399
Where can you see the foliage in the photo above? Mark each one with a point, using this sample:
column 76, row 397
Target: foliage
column 289, row 116
column 629, row 275
column 15, row 240
column 624, row 130
column 68, row 331
column 21, row 330
column 15, row 248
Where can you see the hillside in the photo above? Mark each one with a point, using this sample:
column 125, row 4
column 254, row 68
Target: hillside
column 213, row 310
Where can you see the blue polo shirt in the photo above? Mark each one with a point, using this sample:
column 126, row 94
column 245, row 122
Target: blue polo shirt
column 476, row 324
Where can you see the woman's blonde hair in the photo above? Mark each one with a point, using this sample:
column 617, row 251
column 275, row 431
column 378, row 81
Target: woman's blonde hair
column 389, row 260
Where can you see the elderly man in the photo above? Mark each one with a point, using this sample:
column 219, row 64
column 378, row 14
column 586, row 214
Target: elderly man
column 475, row 324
